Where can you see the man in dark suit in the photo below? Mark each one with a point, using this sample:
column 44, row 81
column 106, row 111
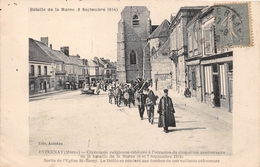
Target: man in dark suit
column 140, row 102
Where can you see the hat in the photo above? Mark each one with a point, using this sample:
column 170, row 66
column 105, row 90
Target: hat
column 165, row 90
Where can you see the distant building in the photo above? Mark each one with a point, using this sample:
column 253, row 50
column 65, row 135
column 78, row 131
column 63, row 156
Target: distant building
column 54, row 69
column 93, row 71
column 40, row 69
column 109, row 69
column 81, row 69
column 100, row 74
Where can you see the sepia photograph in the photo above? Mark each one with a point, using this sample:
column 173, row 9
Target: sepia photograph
column 128, row 83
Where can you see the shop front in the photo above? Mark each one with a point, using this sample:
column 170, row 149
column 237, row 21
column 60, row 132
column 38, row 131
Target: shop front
column 217, row 78
column 40, row 84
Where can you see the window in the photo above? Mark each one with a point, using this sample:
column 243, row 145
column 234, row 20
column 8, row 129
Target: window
column 179, row 37
column 208, row 46
column 107, row 74
column 195, row 39
column 174, row 39
column 58, row 67
column 193, row 80
column 45, row 70
column 32, row 70
column 132, row 57
column 52, row 82
column 190, row 43
column 135, row 20
column 222, row 81
column 230, row 67
column 39, row 70
column 153, row 51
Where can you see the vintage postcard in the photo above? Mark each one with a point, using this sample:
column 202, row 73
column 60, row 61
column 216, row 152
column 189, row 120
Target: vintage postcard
column 129, row 83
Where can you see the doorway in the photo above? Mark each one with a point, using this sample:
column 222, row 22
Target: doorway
column 216, row 90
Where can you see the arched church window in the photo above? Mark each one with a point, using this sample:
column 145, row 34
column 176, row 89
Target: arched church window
column 132, row 57
column 135, row 20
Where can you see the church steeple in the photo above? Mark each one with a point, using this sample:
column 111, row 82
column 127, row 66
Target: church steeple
column 133, row 30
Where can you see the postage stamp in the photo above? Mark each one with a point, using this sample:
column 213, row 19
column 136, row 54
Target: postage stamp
column 233, row 25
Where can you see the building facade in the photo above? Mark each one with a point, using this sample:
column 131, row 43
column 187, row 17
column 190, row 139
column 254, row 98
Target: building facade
column 51, row 69
column 216, row 65
column 194, row 36
column 178, row 45
column 162, row 68
column 40, row 69
column 156, row 60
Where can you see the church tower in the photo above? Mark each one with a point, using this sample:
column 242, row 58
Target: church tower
column 133, row 30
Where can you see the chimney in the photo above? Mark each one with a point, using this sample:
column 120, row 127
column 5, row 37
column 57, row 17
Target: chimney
column 51, row 46
column 65, row 50
column 96, row 59
column 45, row 40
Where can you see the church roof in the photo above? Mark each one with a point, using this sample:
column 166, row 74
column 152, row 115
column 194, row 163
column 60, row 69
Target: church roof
column 161, row 31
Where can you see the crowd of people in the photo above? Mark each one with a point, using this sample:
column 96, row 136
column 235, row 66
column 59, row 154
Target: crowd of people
column 140, row 93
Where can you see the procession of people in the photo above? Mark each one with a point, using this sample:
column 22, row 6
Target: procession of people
column 140, row 93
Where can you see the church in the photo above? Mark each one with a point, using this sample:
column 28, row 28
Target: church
column 134, row 28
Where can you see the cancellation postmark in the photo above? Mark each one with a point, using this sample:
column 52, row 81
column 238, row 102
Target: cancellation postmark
column 232, row 25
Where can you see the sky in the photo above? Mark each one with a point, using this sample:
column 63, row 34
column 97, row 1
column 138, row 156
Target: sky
column 91, row 34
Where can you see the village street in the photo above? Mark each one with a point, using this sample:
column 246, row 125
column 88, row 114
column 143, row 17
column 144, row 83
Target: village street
column 88, row 122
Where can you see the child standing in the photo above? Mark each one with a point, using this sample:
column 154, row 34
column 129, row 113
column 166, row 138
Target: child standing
column 150, row 109
column 212, row 99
